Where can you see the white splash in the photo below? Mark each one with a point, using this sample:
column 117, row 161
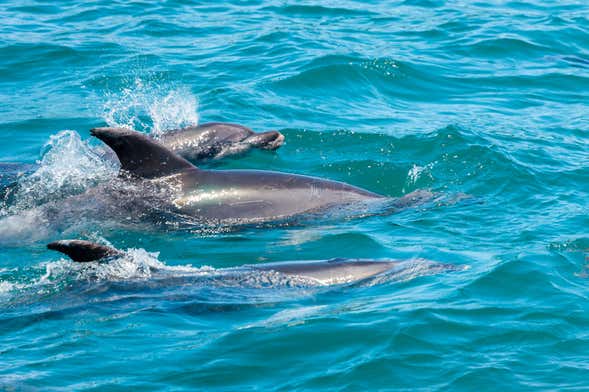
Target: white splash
column 151, row 106
column 134, row 264
column 175, row 110
column 68, row 166
column 29, row 225
column 7, row 287
column 416, row 173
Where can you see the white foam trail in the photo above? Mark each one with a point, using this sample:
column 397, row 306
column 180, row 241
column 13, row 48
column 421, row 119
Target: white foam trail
column 7, row 287
column 152, row 107
column 134, row 264
column 68, row 166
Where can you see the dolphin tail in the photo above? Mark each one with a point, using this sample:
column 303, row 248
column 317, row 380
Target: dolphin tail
column 83, row 251
column 270, row 140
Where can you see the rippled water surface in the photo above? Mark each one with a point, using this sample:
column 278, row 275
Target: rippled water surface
column 485, row 104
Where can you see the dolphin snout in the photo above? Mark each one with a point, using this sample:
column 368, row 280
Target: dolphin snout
column 277, row 142
column 270, row 140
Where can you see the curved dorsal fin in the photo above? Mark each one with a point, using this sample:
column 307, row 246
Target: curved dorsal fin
column 83, row 251
column 141, row 155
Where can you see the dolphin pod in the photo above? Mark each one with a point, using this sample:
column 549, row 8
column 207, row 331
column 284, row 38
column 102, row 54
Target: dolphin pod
column 156, row 177
column 156, row 186
column 324, row 272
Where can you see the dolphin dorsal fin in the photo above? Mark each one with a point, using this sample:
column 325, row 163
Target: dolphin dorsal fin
column 140, row 155
column 83, row 251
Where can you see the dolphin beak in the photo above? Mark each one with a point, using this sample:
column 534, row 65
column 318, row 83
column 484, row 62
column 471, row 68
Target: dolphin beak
column 274, row 140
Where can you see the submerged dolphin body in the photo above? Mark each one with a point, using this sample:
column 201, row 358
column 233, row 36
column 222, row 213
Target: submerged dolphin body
column 324, row 272
column 224, row 196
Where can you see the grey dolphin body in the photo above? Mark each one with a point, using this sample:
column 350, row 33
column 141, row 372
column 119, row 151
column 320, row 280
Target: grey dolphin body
column 231, row 196
column 217, row 140
column 332, row 271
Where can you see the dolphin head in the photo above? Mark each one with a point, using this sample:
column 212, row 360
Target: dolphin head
column 269, row 140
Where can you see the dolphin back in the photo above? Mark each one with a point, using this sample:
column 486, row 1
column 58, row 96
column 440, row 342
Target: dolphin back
column 332, row 271
column 140, row 155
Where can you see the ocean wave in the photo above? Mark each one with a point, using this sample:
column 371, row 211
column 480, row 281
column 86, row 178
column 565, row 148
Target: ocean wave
column 305, row 10
column 502, row 47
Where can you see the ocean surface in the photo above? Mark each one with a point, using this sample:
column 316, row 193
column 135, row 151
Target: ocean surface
column 484, row 104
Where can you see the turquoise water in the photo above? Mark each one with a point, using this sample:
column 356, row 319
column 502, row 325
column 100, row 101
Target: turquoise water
column 483, row 103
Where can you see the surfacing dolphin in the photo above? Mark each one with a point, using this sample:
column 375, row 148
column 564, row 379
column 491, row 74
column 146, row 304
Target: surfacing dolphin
column 225, row 196
column 324, row 272
column 214, row 141
column 217, row 140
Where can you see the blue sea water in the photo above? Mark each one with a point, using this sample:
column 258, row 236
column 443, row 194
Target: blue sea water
column 483, row 103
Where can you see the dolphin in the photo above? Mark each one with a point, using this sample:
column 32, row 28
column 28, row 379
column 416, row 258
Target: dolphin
column 217, row 140
column 224, row 196
column 323, row 272
column 156, row 186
